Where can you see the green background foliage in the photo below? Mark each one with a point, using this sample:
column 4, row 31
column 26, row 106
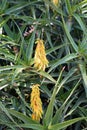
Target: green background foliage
column 63, row 85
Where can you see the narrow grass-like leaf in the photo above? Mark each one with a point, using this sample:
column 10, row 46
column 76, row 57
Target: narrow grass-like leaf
column 29, row 49
column 10, row 67
column 49, row 39
column 70, row 73
column 6, row 123
column 7, row 38
column 65, row 102
column 84, row 75
column 49, row 112
column 65, row 124
column 75, row 47
column 58, row 114
column 3, row 5
column 2, row 107
column 8, row 31
column 79, row 20
column 63, row 60
column 18, row 7
column 32, row 126
column 80, row 100
column 55, row 48
column 69, row 9
column 21, row 97
column 21, row 116
column 16, row 72
column 83, row 3
column 58, row 86
column 3, row 22
column 45, row 75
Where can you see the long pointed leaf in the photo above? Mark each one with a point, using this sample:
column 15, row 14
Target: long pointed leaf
column 63, row 60
column 21, row 116
column 65, row 124
column 75, row 47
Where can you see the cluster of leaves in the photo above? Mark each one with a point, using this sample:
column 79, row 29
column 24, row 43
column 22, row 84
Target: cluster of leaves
column 64, row 84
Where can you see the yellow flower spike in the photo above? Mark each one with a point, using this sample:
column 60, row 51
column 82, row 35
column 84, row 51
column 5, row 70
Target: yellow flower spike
column 55, row 2
column 40, row 60
column 36, row 104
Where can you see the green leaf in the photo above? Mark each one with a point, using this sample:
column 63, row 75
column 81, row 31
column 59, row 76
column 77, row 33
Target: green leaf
column 2, row 107
column 7, row 38
column 45, row 75
column 75, row 47
column 3, row 5
column 55, row 48
column 29, row 49
column 57, row 117
column 8, row 31
column 10, row 67
column 68, row 5
column 82, row 67
column 32, row 126
column 18, row 7
column 49, row 113
column 82, row 25
column 81, row 100
column 16, row 72
column 7, row 55
column 65, row 124
column 21, row 116
column 63, row 60
column 3, row 21
column 8, row 124
column 21, row 97
column 49, row 39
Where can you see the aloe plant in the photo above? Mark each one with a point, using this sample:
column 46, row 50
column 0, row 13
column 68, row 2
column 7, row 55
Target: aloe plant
column 63, row 84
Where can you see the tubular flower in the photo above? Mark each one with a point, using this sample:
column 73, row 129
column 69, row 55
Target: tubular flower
column 55, row 2
column 36, row 103
column 40, row 60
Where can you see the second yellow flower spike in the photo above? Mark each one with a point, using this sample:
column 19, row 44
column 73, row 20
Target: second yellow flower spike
column 36, row 103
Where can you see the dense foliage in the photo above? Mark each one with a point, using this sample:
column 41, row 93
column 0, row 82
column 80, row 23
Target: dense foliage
column 63, row 84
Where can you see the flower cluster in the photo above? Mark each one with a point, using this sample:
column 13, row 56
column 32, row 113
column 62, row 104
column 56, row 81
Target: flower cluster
column 55, row 2
column 36, row 103
column 40, row 63
column 40, row 60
